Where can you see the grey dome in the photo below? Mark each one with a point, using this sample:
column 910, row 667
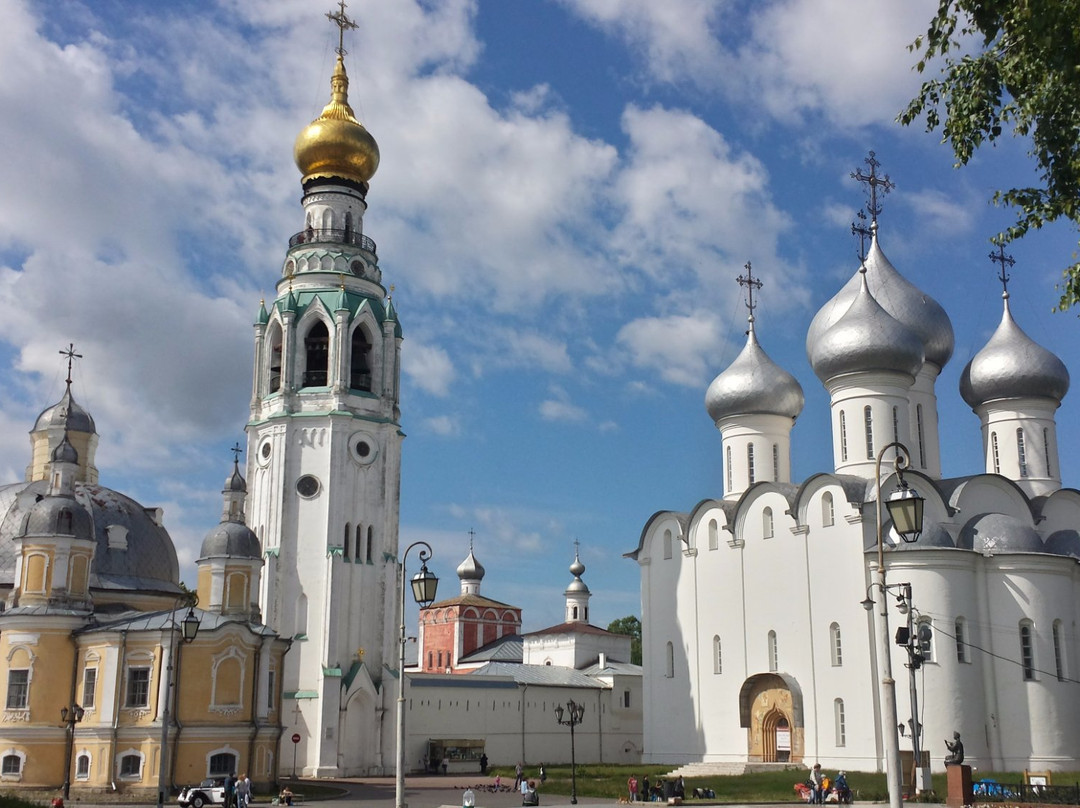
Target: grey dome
column 142, row 556
column 1064, row 542
column 866, row 337
column 996, row 532
column 235, row 482
column 470, row 569
column 1012, row 365
column 65, row 413
column 57, row 516
column 231, row 540
column 933, row 535
column 577, row 586
column 900, row 298
column 754, row 384
column 65, row 452
column 577, row 568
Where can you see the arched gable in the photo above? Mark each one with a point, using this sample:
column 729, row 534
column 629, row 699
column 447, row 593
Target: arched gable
column 700, row 518
column 766, row 681
column 989, row 493
column 1059, row 511
column 750, row 506
column 677, row 523
column 849, row 493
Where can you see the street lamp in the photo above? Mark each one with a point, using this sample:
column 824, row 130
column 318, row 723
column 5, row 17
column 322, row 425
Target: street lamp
column 189, row 627
column 424, row 584
column 70, row 716
column 574, row 713
column 906, row 510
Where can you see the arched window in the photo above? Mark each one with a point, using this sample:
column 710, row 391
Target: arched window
column 348, row 539
column 222, row 763
column 431, row 659
column 358, row 543
column 667, row 544
column 727, row 469
column 131, row 766
column 348, row 226
column 835, row 645
column 1021, row 453
column 360, row 361
column 273, row 382
column 1027, row 649
column 317, row 353
column 82, row 766
column 750, row 462
column 717, row 656
column 573, row 612
column 1059, row 654
column 767, row 523
column 843, row 436
column 841, row 723
column 12, row 763
column 714, row 535
column 994, row 452
column 960, row 632
column 896, row 424
column 776, row 462
column 774, row 656
column 828, row 512
column 868, row 417
column 669, row 662
column 919, row 430
column 370, row 542
column 1046, row 451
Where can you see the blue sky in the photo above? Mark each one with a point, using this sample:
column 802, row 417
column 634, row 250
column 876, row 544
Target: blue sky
column 568, row 190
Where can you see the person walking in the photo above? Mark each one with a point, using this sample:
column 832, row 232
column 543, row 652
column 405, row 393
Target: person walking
column 230, row 790
column 817, row 779
column 243, row 791
column 518, row 771
column 631, row 786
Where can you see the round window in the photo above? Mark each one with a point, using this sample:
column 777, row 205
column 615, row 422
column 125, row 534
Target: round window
column 364, row 448
column 307, row 486
column 357, row 267
column 266, row 449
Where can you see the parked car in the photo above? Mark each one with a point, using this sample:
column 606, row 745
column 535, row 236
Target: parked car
column 208, row 792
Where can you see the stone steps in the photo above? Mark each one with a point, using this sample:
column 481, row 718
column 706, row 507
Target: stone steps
column 727, row 769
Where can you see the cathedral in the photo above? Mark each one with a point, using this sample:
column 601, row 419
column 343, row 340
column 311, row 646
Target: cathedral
column 763, row 607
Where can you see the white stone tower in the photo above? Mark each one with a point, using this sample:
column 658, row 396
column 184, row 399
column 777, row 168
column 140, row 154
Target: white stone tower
column 324, row 458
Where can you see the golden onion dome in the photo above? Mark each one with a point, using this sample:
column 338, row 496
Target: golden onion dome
column 336, row 144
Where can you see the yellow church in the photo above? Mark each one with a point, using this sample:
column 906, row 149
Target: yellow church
column 116, row 678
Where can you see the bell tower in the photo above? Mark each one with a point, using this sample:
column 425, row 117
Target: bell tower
column 324, row 454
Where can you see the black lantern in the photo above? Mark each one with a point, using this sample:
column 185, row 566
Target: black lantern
column 424, row 584
column 906, row 510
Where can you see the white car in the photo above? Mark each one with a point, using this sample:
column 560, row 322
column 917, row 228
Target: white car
column 208, row 792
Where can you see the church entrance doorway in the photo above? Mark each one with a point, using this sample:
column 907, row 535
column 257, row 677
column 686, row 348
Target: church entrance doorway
column 770, row 709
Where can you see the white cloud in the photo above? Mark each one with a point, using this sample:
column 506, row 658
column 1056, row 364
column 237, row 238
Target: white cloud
column 939, row 213
column 559, row 407
column 444, row 425
column 428, row 367
column 674, row 347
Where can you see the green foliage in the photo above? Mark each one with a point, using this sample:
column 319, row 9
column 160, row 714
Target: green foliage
column 1010, row 64
column 632, row 626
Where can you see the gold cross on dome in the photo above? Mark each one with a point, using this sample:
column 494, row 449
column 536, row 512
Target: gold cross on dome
column 342, row 22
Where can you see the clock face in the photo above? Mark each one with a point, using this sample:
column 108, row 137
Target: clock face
column 307, row 486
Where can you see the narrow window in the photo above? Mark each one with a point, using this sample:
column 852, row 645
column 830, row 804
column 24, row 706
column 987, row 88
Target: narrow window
column 667, row 544
column 360, row 362
column 767, row 523
column 348, row 538
column 843, row 436
column 774, row 658
column 896, row 424
column 728, row 468
column 714, row 535
column 828, row 514
column 317, row 350
column 994, row 452
column 626, row 699
column 960, row 632
column 82, row 767
column 138, row 687
column 430, row 659
column 358, row 542
column 131, row 766
column 776, row 462
column 1046, row 451
column 835, row 645
column 274, row 380
column 370, row 542
column 718, row 658
column 841, row 724
column 440, row 659
column 1027, row 651
column 18, row 689
column 750, row 461
column 12, row 765
column 1021, row 453
column 271, row 690
column 573, row 613
column 670, row 661
column 1059, row 656
column 919, row 430
column 868, row 417
column 89, row 690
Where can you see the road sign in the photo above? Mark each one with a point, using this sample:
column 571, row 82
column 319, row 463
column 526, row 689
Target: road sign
column 296, row 737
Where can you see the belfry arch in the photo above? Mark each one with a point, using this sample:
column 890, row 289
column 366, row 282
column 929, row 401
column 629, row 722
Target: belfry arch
column 771, row 710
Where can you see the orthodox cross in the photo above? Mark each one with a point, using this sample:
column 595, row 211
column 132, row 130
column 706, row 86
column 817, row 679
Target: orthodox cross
column 71, row 355
column 236, row 451
column 863, row 232
column 751, row 283
column 342, row 22
column 1004, row 260
column 873, row 182
column 472, row 535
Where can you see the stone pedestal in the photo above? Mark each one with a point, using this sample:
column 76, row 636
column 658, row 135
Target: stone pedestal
column 960, row 794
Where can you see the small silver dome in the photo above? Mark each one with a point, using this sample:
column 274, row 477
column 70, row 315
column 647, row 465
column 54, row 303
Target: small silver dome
column 231, row 540
column 998, row 533
column 1012, row 365
column 470, row 569
column 577, row 568
column 57, row 516
column 65, row 452
column 577, row 586
column 866, row 337
column 1064, row 542
column 754, row 384
column 235, row 482
column 900, row 298
column 65, row 413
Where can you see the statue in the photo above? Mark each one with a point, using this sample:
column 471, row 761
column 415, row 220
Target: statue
column 956, row 751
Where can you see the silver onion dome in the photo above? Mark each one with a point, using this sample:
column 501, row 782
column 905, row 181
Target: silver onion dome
column 470, row 569
column 866, row 337
column 230, row 540
column 1012, row 365
column 900, row 298
column 754, row 384
column 65, row 413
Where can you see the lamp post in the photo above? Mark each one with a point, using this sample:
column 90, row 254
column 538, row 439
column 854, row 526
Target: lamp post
column 189, row 627
column 424, row 584
column 906, row 509
column 913, row 643
column 574, row 713
column 70, row 716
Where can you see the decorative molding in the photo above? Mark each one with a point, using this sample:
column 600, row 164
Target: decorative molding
column 17, row 716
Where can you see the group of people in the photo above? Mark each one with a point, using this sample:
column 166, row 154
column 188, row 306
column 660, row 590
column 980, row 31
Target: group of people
column 819, row 788
column 643, row 791
column 237, row 791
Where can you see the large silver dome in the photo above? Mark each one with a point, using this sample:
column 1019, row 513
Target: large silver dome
column 900, row 298
column 754, row 384
column 1012, row 365
column 65, row 413
column 230, row 540
column 57, row 516
column 998, row 533
column 865, row 337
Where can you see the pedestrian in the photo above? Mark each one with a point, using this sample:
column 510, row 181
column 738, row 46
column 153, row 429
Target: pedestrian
column 817, row 779
column 518, row 771
column 498, row 782
column 445, row 765
column 483, row 763
column 230, row 790
column 243, row 791
column 631, row 786
column 543, row 774
column 646, row 794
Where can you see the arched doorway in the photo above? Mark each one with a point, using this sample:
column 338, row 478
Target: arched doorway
column 770, row 708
